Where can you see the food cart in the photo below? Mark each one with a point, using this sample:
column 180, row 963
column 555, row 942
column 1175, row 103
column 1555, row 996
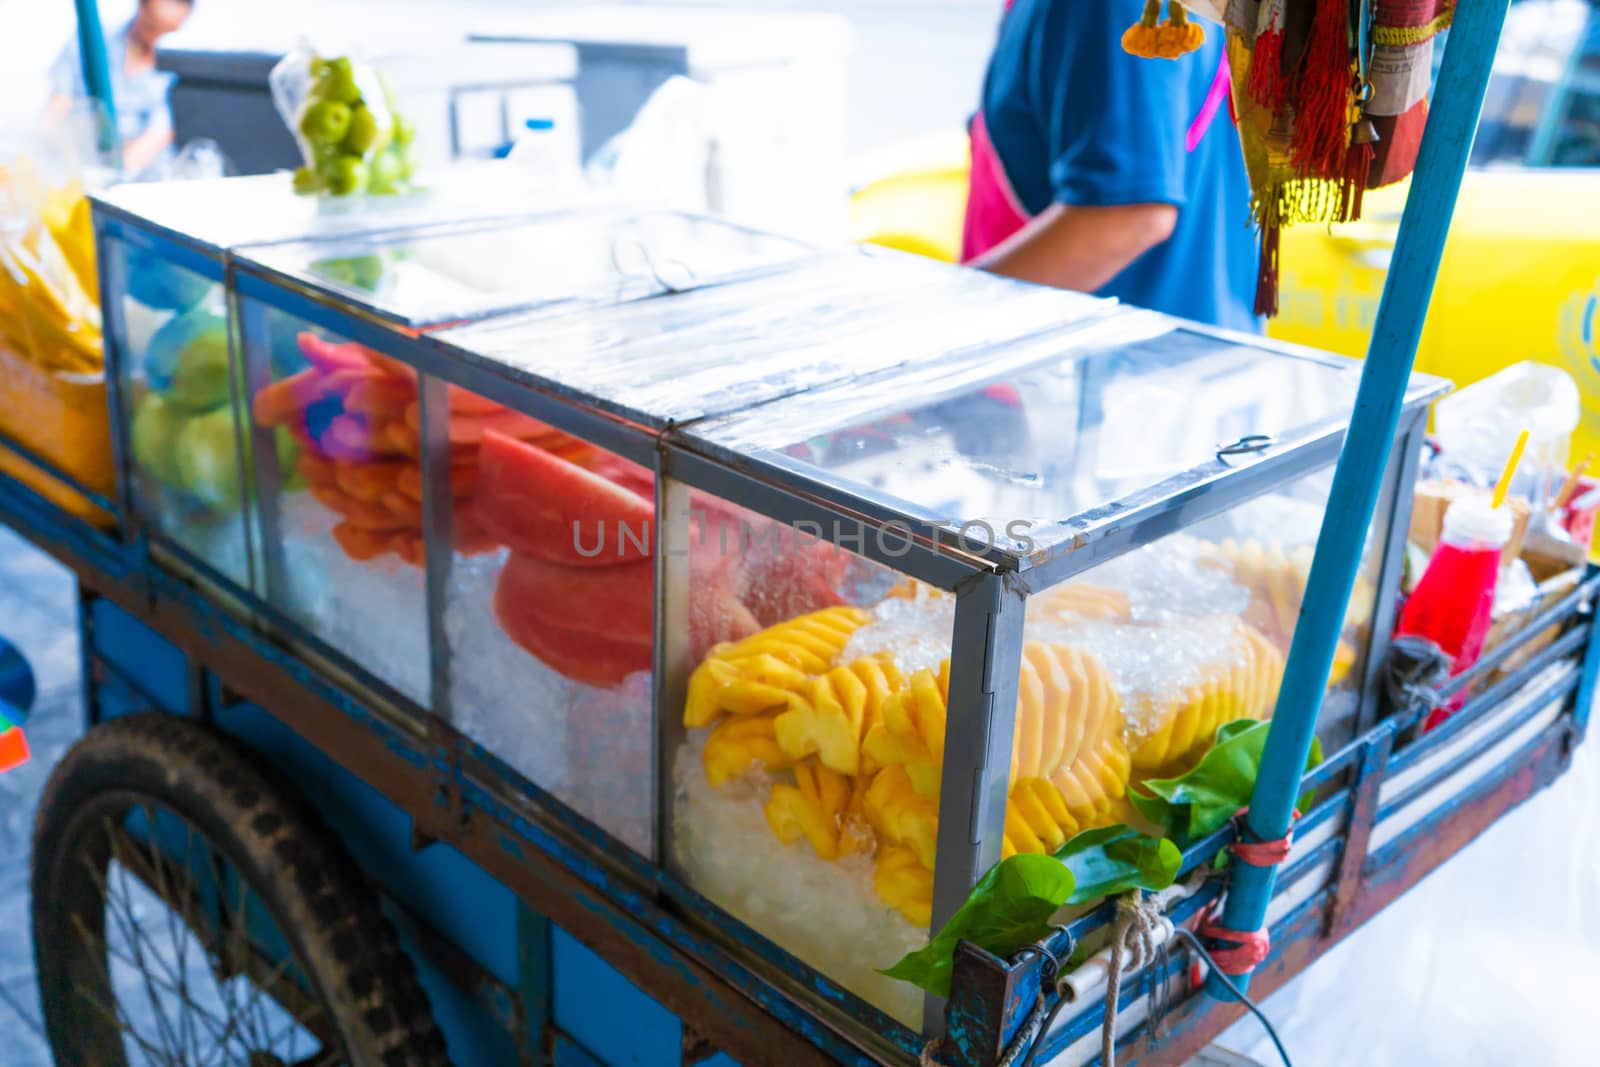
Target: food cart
column 631, row 662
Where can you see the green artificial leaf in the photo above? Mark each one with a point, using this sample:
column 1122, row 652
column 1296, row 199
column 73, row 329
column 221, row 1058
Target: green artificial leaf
column 1199, row 802
column 1115, row 859
column 1012, row 905
column 1009, row 907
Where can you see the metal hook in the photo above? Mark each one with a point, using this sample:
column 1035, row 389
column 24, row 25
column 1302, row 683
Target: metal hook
column 1244, row 446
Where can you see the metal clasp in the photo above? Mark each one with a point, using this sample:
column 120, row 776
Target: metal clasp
column 1249, row 444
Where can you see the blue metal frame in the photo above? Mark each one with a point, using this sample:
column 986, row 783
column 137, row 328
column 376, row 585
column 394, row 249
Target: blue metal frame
column 993, row 996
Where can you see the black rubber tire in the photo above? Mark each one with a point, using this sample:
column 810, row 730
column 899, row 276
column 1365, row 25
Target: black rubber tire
column 318, row 897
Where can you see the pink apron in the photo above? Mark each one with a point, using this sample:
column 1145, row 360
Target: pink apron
column 993, row 211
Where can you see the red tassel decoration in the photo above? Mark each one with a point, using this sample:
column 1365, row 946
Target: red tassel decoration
column 1267, row 84
column 1357, row 169
column 1267, row 273
column 1322, row 105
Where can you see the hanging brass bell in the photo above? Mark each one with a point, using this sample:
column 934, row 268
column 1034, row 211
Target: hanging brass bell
column 1364, row 132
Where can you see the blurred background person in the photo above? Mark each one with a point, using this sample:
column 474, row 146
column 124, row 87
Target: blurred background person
column 138, row 89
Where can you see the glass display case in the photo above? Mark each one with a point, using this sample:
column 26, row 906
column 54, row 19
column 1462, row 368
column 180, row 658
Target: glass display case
column 334, row 415
column 931, row 543
column 549, row 592
column 164, row 253
column 821, row 581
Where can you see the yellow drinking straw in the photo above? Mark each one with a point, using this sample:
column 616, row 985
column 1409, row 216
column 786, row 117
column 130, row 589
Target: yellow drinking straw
column 1504, row 484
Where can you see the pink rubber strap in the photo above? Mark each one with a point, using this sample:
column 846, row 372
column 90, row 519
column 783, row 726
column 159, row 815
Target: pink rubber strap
column 1213, row 103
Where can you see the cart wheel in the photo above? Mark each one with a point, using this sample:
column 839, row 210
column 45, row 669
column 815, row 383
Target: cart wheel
column 190, row 909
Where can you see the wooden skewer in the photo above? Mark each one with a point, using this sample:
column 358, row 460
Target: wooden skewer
column 1570, row 486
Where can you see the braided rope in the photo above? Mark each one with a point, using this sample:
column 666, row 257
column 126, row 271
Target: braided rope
column 1137, row 935
column 1403, row 36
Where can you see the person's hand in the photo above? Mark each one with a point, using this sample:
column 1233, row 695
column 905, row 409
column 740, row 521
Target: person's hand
column 142, row 151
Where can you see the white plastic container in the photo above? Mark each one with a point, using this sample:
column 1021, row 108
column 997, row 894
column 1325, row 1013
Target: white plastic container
column 1477, row 427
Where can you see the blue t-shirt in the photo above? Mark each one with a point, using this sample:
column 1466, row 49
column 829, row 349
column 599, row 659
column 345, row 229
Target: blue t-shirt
column 1076, row 120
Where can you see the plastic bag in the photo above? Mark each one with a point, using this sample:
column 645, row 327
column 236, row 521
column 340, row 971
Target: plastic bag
column 665, row 158
column 49, row 311
column 199, row 160
column 342, row 114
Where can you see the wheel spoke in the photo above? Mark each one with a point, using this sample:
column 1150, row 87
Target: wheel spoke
column 132, row 973
column 258, row 984
column 113, row 1012
column 176, row 939
column 136, row 937
column 134, row 860
column 155, row 978
column 184, row 1038
column 298, row 1021
column 214, row 1025
column 195, row 1013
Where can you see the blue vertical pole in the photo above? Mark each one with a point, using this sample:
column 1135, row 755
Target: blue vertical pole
column 97, row 75
column 1358, row 478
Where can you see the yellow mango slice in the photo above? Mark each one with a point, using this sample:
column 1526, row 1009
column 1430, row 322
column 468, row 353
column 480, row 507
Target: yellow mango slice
column 1277, row 580
column 904, row 883
column 901, row 815
column 1074, row 601
column 738, row 746
column 765, row 670
column 1182, row 727
column 838, row 709
column 1037, row 818
column 816, row 808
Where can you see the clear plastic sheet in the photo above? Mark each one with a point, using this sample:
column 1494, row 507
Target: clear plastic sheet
column 834, row 319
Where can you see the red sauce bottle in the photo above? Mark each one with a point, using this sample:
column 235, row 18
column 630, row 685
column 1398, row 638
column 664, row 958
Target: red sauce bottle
column 1453, row 604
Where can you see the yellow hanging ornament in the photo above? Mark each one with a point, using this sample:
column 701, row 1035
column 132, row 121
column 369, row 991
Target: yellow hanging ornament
column 1150, row 38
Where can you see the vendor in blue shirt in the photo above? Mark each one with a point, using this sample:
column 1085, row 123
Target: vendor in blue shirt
column 1099, row 171
column 138, row 89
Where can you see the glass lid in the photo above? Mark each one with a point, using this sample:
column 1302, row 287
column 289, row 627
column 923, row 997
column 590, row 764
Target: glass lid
column 428, row 276
column 218, row 214
column 829, row 320
column 1051, row 435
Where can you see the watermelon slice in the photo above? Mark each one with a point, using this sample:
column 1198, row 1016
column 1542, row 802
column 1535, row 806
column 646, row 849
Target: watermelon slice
column 542, row 506
column 582, row 658
column 614, row 602
column 799, row 577
column 593, row 625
